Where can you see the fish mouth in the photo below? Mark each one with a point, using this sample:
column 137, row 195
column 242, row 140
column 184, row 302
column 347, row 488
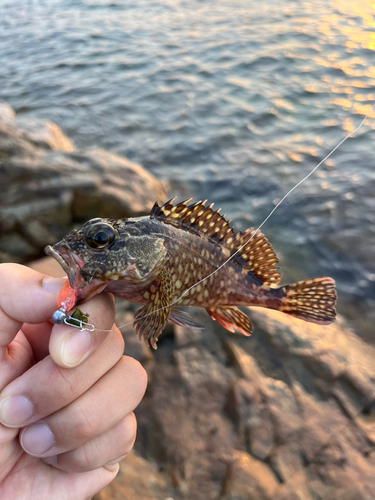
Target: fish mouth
column 49, row 250
column 71, row 265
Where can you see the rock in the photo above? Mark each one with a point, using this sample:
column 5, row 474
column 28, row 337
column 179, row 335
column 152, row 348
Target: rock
column 126, row 189
column 7, row 113
column 284, row 415
column 36, row 131
column 137, row 479
column 48, row 187
column 43, row 133
column 249, row 479
column 12, row 141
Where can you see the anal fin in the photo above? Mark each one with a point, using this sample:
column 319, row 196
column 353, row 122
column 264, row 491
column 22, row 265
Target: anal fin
column 184, row 319
column 231, row 318
column 149, row 321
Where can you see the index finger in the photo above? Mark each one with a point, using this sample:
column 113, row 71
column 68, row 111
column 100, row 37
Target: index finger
column 26, row 296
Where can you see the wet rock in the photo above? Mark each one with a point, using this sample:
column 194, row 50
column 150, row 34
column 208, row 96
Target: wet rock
column 48, row 187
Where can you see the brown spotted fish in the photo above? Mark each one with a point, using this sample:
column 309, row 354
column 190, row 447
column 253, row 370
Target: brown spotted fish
column 157, row 260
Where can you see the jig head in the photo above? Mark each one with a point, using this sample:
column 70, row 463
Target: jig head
column 60, row 317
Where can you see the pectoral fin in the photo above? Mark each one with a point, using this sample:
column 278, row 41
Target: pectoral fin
column 231, row 318
column 184, row 319
column 149, row 321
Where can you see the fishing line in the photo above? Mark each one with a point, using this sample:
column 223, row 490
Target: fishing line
column 257, row 230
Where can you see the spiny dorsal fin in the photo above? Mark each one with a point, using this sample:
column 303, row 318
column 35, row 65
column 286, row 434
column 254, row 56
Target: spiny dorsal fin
column 196, row 218
column 257, row 257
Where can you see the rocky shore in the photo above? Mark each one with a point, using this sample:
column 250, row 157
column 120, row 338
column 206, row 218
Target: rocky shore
column 47, row 185
column 287, row 414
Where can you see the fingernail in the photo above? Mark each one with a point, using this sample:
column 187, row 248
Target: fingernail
column 53, row 285
column 75, row 348
column 37, row 439
column 15, row 410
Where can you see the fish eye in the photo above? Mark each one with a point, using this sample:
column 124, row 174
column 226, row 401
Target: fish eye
column 100, row 235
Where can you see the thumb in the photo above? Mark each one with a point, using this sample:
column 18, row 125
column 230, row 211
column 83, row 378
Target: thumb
column 26, row 296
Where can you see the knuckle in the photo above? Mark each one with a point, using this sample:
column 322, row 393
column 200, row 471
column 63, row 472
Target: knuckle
column 84, row 426
column 77, row 460
column 70, row 385
column 95, row 453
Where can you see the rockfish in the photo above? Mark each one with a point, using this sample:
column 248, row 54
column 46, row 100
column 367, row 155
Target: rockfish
column 156, row 261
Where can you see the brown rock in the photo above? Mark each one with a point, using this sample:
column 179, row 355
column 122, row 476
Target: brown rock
column 43, row 133
column 38, row 132
column 274, row 416
column 249, row 479
column 16, row 245
column 126, row 189
column 7, row 113
column 48, row 187
column 137, row 479
column 12, row 141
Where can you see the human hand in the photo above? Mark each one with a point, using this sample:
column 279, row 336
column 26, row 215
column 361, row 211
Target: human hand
column 67, row 397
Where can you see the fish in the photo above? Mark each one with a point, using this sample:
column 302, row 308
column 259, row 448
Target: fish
column 185, row 255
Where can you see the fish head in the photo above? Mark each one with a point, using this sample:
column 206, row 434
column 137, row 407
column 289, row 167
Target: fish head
column 104, row 251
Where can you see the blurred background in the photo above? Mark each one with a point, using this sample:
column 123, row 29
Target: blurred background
column 230, row 100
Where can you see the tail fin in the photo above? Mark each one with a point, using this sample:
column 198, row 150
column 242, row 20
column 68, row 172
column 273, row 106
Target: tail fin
column 311, row 300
